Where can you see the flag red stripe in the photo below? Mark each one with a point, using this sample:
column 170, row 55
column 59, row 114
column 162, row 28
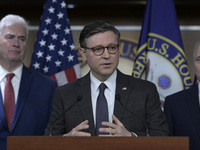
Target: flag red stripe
column 70, row 74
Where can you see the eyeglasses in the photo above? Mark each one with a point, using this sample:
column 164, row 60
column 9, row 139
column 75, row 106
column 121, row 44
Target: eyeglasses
column 99, row 50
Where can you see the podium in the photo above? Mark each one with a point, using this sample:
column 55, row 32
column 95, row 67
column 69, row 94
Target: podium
column 96, row 143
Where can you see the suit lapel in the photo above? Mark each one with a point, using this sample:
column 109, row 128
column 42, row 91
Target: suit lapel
column 122, row 92
column 192, row 102
column 2, row 112
column 85, row 103
column 24, row 91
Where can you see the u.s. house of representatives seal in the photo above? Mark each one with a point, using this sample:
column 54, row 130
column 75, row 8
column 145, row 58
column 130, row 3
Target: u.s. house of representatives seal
column 163, row 62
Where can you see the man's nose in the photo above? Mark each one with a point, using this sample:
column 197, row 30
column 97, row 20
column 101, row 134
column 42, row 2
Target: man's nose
column 106, row 52
column 16, row 42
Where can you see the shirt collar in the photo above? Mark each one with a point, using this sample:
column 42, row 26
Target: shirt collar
column 17, row 72
column 110, row 82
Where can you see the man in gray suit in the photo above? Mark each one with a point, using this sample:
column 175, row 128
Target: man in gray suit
column 133, row 105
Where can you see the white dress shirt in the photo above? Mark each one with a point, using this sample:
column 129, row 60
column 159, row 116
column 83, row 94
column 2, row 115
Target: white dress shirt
column 15, row 80
column 109, row 93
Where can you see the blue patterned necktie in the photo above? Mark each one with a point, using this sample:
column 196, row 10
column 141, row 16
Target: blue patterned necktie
column 101, row 109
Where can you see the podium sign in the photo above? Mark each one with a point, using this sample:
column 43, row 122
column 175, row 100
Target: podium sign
column 96, row 143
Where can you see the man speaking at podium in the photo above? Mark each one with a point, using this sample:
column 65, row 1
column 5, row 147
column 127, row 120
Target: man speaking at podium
column 106, row 102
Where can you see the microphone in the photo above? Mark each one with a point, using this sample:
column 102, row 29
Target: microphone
column 117, row 96
column 79, row 98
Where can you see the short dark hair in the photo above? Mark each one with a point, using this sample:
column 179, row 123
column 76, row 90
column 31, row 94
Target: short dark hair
column 94, row 27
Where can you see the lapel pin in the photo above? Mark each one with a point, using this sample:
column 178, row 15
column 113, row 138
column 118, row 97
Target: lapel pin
column 124, row 88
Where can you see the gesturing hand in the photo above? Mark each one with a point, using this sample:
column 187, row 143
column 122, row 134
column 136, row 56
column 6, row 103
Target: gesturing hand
column 115, row 129
column 77, row 130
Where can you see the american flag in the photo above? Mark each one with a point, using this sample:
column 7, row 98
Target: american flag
column 54, row 52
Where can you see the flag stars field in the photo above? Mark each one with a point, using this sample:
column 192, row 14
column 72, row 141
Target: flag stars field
column 48, row 58
column 36, row 65
column 45, row 32
column 64, row 42
column 61, row 53
column 58, row 26
column 67, row 31
column 51, row 10
column 48, row 21
column 60, row 15
column 40, row 54
column 46, row 69
column 58, row 63
column 70, row 58
column 42, row 43
column 54, row 50
column 72, row 47
column 54, row 36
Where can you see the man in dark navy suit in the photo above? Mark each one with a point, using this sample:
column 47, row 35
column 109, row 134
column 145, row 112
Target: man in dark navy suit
column 33, row 92
column 182, row 109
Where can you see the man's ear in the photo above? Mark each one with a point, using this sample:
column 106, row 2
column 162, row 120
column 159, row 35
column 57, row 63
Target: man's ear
column 83, row 53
